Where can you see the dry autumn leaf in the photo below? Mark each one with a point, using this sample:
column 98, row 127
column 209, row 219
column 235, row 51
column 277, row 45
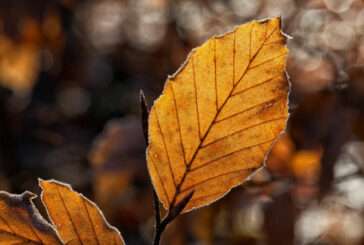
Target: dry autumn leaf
column 77, row 219
column 219, row 115
column 21, row 223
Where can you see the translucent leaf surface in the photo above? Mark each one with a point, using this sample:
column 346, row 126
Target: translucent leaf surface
column 219, row 114
column 21, row 223
column 77, row 219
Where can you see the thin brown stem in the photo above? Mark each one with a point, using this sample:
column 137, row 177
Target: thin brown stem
column 160, row 225
column 172, row 214
column 144, row 118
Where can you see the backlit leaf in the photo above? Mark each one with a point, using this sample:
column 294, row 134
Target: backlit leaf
column 219, row 115
column 21, row 223
column 77, row 219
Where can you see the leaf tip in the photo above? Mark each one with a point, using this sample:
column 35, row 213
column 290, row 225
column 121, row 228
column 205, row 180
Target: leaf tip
column 145, row 116
column 43, row 183
column 141, row 94
column 143, row 101
column 29, row 195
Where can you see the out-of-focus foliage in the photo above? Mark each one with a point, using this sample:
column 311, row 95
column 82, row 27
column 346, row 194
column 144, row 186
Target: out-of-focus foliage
column 68, row 67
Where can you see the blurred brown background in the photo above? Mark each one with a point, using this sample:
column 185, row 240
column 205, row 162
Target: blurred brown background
column 70, row 75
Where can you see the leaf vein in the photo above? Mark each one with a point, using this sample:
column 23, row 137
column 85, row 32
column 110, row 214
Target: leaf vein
column 216, row 98
column 229, row 154
column 250, row 41
column 160, row 179
column 204, row 196
column 17, row 235
column 69, row 215
column 256, row 85
column 234, row 53
column 217, row 176
column 251, row 108
column 165, row 147
column 25, row 221
column 244, row 129
column 194, row 81
column 89, row 218
column 267, row 61
column 4, row 220
column 179, row 127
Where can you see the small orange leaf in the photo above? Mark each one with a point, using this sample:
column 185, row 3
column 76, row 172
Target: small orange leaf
column 77, row 219
column 21, row 223
column 219, row 115
column 306, row 165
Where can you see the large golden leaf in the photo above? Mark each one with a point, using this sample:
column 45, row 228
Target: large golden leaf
column 219, row 115
column 76, row 218
column 21, row 223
